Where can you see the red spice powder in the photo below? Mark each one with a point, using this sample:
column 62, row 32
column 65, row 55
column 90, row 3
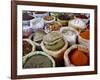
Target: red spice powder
column 85, row 35
column 78, row 58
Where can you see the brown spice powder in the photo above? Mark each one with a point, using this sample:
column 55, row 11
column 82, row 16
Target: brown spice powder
column 27, row 47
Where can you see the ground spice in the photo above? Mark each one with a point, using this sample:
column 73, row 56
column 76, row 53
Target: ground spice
column 27, row 47
column 38, row 61
column 64, row 17
column 26, row 16
column 40, row 12
column 78, row 58
column 85, row 35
